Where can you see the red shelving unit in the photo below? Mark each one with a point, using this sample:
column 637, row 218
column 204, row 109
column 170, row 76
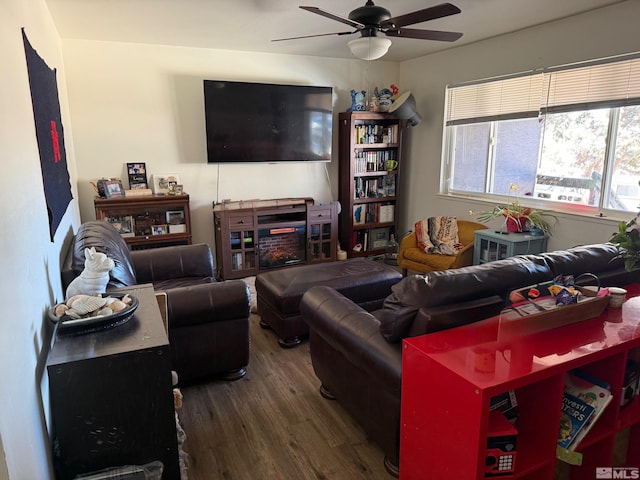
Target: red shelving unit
column 449, row 377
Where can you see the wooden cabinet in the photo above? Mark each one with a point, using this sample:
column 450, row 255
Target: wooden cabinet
column 111, row 395
column 259, row 235
column 450, row 377
column 322, row 227
column 370, row 161
column 148, row 221
column 490, row 245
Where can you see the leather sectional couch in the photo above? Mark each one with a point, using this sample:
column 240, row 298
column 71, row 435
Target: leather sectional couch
column 208, row 320
column 357, row 354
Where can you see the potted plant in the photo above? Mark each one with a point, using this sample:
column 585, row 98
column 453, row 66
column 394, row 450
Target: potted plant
column 519, row 218
column 627, row 240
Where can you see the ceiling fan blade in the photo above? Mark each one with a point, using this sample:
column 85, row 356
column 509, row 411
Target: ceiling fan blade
column 431, row 13
column 333, row 16
column 424, row 34
column 311, row 36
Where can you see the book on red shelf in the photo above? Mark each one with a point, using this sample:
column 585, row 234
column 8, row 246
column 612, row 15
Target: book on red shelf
column 575, row 414
column 588, row 391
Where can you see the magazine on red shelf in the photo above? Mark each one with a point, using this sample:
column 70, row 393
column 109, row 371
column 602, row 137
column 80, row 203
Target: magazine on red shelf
column 595, row 395
column 575, row 415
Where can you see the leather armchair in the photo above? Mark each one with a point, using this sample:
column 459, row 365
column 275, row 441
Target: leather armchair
column 208, row 321
column 412, row 257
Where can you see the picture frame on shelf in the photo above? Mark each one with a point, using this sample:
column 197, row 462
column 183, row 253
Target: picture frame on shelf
column 123, row 224
column 164, row 184
column 159, row 230
column 137, row 173
column 113, row 188
column 179, row 189
column 175, row 217
column 378, row 238
column 359, row 214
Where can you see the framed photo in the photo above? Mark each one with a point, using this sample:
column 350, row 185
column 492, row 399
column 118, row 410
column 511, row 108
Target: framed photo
column 137, row 173
column 159, row 230
column 164, row 184
column 179, row 190
column 175, row 217
column 113, row 188
column 378, row 238
column 123, row 224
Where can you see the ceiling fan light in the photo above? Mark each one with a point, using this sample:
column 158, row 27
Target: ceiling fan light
column 369, row 48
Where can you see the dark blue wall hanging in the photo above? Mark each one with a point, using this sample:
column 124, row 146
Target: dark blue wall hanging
column 50, row 136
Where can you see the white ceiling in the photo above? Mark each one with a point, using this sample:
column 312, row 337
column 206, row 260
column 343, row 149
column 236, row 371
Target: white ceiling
column 250, row 25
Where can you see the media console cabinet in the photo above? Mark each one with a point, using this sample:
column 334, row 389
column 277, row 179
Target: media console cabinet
column 449, row 378
column 258, row 235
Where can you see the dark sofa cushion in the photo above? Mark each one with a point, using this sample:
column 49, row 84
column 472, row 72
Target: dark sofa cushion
column 443, row 317
column 451, row 287
column 584, row 259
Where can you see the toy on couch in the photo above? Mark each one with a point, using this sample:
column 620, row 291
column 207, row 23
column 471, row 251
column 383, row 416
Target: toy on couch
column 94, row 277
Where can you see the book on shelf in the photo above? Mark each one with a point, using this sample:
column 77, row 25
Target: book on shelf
column 504, row 401
column 376, row 133
column 591, row 392
column 575, row 414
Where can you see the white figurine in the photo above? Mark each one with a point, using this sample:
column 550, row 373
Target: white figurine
column 94, row 277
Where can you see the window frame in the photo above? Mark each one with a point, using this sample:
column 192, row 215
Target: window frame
column 550, row 79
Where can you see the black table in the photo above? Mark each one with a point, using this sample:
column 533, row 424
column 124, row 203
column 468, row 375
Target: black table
column 111, row 395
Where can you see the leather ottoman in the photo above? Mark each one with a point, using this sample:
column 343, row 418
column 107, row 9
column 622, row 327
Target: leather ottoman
column 279, row 292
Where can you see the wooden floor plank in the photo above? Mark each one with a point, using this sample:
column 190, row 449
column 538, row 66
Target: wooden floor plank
column 273, row 424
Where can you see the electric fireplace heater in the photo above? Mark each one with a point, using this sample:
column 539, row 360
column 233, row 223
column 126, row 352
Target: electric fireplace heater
column 281, row 246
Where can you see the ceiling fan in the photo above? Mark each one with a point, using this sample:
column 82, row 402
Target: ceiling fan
column 370, row 20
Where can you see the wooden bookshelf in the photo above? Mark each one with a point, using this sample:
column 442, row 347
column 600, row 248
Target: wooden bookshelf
column 369, row 173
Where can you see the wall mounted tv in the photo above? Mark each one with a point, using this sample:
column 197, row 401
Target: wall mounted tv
column 259, row 122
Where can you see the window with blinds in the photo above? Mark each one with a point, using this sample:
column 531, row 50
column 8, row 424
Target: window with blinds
column 562, row 134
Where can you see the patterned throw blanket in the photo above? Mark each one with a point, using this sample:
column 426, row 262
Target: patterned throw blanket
column 438, row 235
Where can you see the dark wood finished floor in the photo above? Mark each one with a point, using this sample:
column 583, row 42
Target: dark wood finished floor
column 273, row 423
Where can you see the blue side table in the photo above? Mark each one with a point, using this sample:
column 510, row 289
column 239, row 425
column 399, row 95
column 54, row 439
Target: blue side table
column 492, row 245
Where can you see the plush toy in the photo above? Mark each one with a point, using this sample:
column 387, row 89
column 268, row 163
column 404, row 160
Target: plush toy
column 94, row 277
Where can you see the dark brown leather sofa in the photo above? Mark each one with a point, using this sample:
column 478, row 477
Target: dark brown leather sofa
column 357, row 355
column 208, row 320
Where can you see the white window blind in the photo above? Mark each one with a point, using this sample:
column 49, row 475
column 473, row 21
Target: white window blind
column 515, row 97
column 602, row 83
column 611, row 84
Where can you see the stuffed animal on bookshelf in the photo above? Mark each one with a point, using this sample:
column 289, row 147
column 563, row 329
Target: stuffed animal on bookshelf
column 94, row 277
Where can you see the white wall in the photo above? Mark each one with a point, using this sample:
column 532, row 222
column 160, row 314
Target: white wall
column 605, row 32
column 30, row 261
column 144, row 103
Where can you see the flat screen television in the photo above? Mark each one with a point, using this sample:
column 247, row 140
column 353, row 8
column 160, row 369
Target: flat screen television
column 260, row 122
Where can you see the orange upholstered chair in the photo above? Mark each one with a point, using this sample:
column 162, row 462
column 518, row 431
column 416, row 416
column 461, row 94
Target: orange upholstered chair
column 412, row 257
